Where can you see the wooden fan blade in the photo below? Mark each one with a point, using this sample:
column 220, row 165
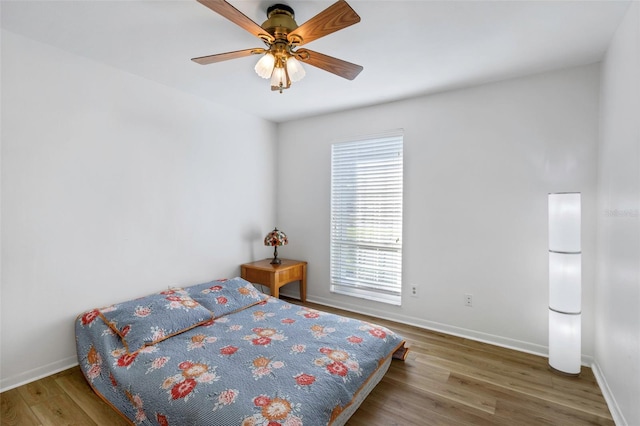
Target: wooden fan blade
column 336, row 17
column 336, row 66
column 205, row 60
column 234, row 15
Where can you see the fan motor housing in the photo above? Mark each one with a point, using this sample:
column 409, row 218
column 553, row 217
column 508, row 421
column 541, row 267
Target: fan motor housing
column 280, row 21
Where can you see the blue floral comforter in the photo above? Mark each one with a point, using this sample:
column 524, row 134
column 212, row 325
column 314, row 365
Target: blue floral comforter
column 221, row 353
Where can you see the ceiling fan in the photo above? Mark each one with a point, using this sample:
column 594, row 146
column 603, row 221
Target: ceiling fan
column 281, row 58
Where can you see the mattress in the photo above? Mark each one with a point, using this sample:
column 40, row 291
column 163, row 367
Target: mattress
column 221, row 353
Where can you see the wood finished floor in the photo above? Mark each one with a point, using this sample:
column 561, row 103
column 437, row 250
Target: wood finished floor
column 445, row 380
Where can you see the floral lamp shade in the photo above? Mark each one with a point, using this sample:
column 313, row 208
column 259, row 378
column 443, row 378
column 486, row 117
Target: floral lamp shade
column 276, row 238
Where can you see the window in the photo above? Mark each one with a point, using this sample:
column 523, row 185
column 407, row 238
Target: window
column 366, row 218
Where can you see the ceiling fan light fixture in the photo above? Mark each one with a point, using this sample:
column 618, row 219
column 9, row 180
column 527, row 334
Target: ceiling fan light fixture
column 264, row 67
column 294, row 69
column 282, row 37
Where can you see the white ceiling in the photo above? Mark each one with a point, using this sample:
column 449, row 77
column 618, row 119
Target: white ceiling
column 407, row 48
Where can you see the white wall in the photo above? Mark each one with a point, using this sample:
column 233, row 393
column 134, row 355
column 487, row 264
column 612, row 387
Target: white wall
column 617, row 333
column 114, row 187
column 479, row 164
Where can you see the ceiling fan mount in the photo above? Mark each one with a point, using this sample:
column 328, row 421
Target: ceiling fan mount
column 282, row 36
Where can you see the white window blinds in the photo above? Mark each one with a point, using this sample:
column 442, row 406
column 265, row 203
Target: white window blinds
column 366, row 218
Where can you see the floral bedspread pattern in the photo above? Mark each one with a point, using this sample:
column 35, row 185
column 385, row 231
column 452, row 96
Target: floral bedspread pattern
column 264, row 362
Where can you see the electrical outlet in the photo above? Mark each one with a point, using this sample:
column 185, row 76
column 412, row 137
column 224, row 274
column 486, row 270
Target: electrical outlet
column 468, row 300
column 414, row 291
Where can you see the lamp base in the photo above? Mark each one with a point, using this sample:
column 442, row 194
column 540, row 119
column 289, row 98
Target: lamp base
column 275, row 260
column 563, row 373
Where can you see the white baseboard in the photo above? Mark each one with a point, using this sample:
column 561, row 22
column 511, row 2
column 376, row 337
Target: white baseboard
column 618, row 417
column 7, row 383
column 492, row 339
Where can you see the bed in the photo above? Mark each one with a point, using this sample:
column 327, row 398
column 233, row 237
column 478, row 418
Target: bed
column 222, row 353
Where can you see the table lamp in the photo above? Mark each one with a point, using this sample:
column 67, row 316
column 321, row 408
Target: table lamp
column 276, row 238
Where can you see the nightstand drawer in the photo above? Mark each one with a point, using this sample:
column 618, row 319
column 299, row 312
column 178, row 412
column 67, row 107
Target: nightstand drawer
column 294, row 273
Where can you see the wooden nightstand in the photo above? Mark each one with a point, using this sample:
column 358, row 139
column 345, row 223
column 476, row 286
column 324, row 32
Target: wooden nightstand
column 275, row 276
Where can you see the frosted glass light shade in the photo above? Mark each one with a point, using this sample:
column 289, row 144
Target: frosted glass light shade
column 264, row 67
column 565, row 277
column 295, row 70
column 564, row 342
column 564, row 222
column 279, row 77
